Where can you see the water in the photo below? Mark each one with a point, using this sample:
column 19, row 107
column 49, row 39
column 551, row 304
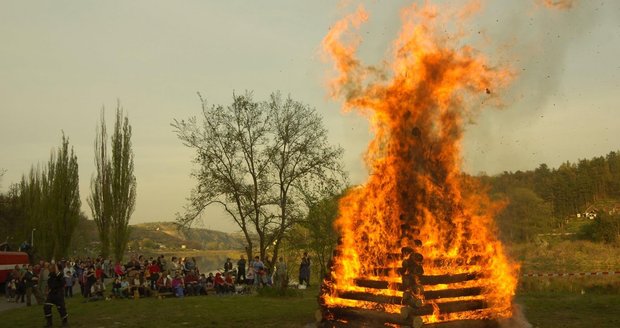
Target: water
column 210, row 262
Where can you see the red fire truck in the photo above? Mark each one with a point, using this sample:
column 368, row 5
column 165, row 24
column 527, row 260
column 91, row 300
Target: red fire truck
column 8, row 260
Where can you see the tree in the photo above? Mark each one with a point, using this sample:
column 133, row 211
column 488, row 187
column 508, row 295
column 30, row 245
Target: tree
column 100, row 198
column 122, row 184
column 63, row 197
column 525, row 215
column 50, row 200
column 605, row 227
column 319, row 235
column 230, row 153
column 2, row 173
column 300, row 154
column 253, row 158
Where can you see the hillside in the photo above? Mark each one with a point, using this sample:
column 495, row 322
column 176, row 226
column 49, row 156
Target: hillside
column 159, row 236
column 168, row 235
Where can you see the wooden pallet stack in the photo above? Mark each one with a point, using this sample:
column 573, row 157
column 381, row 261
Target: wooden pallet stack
column 419, row 297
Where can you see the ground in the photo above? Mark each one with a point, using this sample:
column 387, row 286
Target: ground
column 543, row 309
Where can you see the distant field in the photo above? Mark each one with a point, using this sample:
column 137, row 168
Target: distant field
column 562, row 255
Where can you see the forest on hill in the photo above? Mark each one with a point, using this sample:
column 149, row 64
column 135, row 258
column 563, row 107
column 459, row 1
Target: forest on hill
column 548, row 198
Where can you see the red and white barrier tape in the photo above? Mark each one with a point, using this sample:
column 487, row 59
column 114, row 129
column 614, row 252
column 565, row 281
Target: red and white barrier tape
column 581, row 274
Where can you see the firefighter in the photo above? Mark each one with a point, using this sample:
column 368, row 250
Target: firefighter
column 55, row 296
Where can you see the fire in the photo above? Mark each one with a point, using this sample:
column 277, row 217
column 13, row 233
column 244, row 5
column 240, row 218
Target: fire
column 416, row 196
column 558, row 4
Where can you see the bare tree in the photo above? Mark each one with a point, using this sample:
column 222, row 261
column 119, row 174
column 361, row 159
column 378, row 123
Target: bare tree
column 302, row 160
column 2, row 172
column 252, row 156
column 100, row 197
column 230, row 145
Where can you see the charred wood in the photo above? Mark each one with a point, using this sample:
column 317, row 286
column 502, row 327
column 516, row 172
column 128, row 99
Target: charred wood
column 425, row 280
column 373, row 316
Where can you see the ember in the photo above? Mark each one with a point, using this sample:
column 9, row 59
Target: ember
column 417, row 240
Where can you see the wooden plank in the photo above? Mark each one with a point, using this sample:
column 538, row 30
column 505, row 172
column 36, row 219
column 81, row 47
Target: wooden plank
column 428, row 295
column 424, row 280
column 371, row 318
column 427, row 309
column 481, row 323
column 448, row 293
column 447, row 278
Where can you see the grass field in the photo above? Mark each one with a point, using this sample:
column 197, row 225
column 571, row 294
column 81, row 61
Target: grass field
column 543, row 309
column 547, row 302
column 201, row 311
column 565, row 310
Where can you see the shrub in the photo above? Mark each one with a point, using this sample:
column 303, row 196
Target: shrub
column 604, row 228
column 279, row 292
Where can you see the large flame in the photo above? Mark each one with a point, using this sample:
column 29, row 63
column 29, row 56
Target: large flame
column 417, row 107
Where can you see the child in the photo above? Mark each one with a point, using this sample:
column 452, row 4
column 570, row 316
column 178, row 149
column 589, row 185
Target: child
column 116, row 288
column 177, row 285
column 11, row 287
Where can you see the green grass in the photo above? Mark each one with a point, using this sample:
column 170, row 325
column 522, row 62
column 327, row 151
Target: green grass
column 567, row 310
column 564, row 256
column 543, row 309
column 547, row 302
column 197, row 311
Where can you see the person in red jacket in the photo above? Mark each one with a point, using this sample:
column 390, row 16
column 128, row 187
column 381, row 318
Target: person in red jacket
column 218, row 284
column 191, row 283
column 164, row 284
column 229, row 284
column 154, row 271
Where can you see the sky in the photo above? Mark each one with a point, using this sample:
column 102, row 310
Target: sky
column 62, row 61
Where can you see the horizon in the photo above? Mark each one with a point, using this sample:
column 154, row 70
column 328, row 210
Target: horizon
column 64, row 63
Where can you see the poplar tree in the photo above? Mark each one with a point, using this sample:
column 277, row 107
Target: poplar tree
column 122, row 184
column 99, row 200
column 63, row 199
column 51, row 198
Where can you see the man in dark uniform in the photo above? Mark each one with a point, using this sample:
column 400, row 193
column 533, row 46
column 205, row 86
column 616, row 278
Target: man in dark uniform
column 55, row 296
column 241, row 271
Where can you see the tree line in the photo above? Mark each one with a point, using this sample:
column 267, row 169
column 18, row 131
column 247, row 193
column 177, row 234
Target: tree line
column 545, row 198
column 44, row 208
column 45, row 201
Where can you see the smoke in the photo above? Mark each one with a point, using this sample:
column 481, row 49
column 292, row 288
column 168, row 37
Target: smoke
column 518, row 319
column 535, row 40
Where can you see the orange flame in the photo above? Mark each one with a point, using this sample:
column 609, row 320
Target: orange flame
column 558, row 4
column 416, row 189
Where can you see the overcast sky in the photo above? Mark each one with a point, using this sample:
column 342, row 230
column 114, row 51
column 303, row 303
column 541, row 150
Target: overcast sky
column 62, row 61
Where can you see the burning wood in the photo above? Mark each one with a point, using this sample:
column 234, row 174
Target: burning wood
column 417, row 243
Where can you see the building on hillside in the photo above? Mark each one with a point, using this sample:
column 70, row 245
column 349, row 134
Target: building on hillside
column 592, row 211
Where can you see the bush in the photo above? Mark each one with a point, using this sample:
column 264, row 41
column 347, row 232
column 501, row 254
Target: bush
column 604, row 228
column 279, row 292
column 147, row 243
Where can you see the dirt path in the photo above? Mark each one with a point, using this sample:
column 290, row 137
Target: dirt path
column 4, row 305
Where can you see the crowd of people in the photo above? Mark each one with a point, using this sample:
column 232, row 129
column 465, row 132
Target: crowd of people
column 49, row 283
column 144, row 277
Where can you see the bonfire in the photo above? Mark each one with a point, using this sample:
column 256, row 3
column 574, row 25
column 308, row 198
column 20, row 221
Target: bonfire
column 418, row 245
